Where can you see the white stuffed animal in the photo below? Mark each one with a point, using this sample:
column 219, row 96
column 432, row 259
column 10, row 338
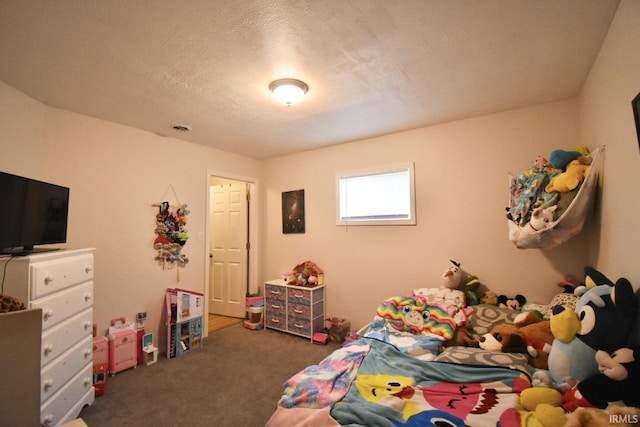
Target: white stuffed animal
column 452, row 276
column 540, row 219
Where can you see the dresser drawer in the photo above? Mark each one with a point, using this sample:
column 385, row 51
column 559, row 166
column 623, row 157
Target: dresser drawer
column 299, row 325
column 61, row 305
column 299, row 310
column 57, row 373
column 299, row 296
column 275, row 320
column 276, row 307
column 54, row 409
column 57, row 274
column 275, row 293
column 60, row 337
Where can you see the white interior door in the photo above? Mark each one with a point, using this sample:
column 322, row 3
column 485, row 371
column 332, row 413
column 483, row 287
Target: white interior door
column 228, row 254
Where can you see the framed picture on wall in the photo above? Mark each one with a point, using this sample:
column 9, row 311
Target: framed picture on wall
column 635, row 105
column 293, row 212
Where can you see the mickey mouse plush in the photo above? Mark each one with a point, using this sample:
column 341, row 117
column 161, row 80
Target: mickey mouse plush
column 515, row 303
column 619, row 380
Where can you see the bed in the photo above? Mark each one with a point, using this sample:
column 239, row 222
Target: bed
column 391, row 376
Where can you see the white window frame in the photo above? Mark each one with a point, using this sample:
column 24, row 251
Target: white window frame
column 407, row 217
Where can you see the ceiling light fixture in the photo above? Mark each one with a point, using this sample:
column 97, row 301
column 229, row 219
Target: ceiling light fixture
column 288, row 91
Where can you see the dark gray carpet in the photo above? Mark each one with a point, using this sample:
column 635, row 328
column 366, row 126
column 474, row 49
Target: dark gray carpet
column 235, row 380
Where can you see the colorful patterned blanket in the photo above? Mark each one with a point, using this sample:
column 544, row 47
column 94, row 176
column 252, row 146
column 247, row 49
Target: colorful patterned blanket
column 371, row 383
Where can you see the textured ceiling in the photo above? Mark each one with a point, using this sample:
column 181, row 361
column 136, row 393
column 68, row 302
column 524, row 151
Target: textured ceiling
column 373, row 66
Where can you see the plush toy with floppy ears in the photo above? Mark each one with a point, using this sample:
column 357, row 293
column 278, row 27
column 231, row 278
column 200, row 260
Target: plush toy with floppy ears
column 602, row 320
column 528, row 334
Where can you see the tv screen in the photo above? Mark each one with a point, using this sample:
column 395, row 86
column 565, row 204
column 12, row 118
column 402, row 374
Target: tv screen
column 31, row 213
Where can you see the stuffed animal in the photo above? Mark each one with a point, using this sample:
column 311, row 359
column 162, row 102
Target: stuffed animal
column 514, row 303
column 463, row 337
column 412, row 314
column 452, row 276
column 9, row 303
column 306, row 273
column 456, row 278
column 569, row 179
column 504, row 337
column 618, row 380
column 529, row 334
column 602, row 320
column 541, row 218
column 472, row 288
column 559, row 159
column 489, row 297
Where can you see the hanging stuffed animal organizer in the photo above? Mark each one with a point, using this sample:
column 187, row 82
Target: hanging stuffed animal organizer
column 171, row 234
column 536, row 192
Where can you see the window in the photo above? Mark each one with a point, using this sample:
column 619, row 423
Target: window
column 383, row 196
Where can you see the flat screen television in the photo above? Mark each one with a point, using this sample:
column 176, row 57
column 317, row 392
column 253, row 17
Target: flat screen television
column 32, row 213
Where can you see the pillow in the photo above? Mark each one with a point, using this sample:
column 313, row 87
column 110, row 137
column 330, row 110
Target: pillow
column 477, row 356
column 487, row 316
column 452, row 300
column 412, row 314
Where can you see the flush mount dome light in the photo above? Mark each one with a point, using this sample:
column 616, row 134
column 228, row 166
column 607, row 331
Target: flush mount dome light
column 288, row 91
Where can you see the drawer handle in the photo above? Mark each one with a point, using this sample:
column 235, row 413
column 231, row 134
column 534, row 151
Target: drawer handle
column 87, row 381
column 48, row 349
column 47, row 384
column 299, row 326
column 88, row 268
column 275, row 321
column 298, row 311
column 275, row 306
column 48, row 279
column 47, row 420
column 47, row 314
column 88, row 325
column 87, row 296
column 299, row 295
column 87, row 353
column 275, row 292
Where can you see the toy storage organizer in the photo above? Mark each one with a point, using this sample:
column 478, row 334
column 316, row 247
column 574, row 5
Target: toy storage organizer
column 574, row 217
column 184, row 321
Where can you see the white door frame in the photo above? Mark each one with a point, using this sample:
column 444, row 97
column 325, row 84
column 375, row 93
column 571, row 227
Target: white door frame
column 253, row 235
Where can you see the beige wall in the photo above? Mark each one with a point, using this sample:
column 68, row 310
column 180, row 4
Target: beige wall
column 115, row 174
column 461, row 190
column 606, row 118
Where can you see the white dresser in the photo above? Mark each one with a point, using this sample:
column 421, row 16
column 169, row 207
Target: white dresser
column 61, row 284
